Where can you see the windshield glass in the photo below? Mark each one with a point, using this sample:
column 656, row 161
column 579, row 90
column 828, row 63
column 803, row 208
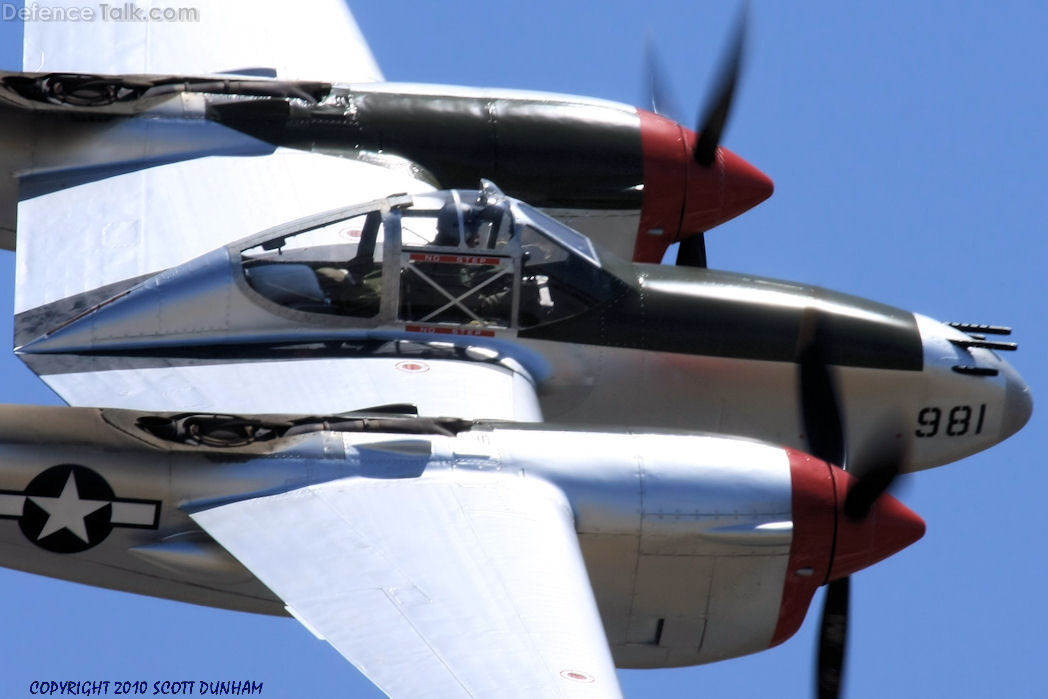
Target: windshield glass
column 464, row 258
column 335, row 268
column 458, row 263
column 463, row 221
column 564, row 235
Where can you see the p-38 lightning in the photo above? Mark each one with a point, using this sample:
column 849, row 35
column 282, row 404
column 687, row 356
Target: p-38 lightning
column 478, row 306
column 470, row 447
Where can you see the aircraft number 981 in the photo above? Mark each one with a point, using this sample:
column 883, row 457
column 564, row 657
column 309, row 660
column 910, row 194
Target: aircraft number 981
column 955, row 423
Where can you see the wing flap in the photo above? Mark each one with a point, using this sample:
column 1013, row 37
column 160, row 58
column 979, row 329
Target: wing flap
column 452, row 584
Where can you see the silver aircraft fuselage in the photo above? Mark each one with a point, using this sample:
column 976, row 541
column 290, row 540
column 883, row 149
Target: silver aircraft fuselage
column 598, row 340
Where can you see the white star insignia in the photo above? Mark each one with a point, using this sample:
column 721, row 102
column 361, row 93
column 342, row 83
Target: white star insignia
column 67, row 511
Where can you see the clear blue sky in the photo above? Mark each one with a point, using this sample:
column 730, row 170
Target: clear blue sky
column 907, row 144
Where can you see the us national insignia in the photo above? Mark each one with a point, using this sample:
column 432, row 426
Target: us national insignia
column 70, row 508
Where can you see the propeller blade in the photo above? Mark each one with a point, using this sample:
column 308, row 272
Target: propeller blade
column 715, row 116
column 833, row 638
column 657, row 91
column 692, row 251
column 874, row 468
column 871, row 482
column 820, row 410
column 875, row 464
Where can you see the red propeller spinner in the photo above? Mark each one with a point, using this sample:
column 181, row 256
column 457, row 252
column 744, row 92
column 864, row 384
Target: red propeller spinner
column 682, row 197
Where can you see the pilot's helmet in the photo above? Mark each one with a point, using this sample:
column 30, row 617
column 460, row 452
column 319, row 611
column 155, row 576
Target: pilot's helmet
column 448, row 222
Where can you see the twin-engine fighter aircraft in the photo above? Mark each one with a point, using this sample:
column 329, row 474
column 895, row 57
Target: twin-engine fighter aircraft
column 458, row 439
column 569, row 549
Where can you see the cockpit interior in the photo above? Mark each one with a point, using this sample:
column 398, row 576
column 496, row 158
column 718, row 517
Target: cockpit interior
column 456, row 258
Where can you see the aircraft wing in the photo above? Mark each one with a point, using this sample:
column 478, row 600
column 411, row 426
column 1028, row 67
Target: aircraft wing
column 318, row 40
column 448, row 584
column 444, row 387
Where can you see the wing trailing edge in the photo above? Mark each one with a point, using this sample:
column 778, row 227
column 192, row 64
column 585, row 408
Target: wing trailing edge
column 476, row 581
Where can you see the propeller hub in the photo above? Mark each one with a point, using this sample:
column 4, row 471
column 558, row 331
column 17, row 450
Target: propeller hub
column 889, row 527
column 729, row 186
column 683, row 198
column 827, row 544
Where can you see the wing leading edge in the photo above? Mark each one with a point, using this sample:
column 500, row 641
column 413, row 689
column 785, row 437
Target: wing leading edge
column 448, row 584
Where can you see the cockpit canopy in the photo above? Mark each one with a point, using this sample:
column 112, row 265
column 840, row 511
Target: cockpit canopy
column 456, row 257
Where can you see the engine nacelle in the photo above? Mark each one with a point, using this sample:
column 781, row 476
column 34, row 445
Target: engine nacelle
column 701, row 548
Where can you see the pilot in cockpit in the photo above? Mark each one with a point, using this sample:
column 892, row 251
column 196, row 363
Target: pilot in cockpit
column 480, row 225
column 481, row 290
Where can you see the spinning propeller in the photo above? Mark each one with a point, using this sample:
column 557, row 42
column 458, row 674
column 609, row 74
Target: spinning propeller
column 711, row 123
column 874, row 469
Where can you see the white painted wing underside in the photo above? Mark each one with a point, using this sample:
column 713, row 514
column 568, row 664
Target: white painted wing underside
column 452, row 584
column 455, row 388
column 314, row 40
column 128, row 225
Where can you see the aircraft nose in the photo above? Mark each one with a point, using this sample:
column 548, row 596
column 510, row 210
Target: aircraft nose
column 1018, row 402
column 973, row 398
